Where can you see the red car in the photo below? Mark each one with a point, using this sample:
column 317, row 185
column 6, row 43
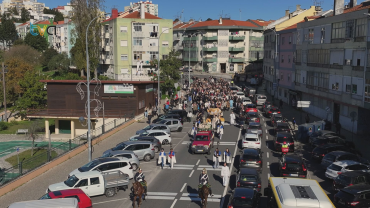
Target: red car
column 84, row 201
column 251, row 108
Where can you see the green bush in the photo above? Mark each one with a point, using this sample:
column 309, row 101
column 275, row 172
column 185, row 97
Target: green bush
column 3, row 126
column 13, row 123
column 178, row 88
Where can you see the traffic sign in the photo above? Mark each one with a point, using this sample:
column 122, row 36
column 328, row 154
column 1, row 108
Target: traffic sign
column 303, row 104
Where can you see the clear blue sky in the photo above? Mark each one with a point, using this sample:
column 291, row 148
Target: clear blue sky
column 203, row 9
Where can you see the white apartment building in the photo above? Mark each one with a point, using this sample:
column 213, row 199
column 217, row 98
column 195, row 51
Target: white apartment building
column 31, row 5
column 65, row 10
column 148, row 5
column 61, row 41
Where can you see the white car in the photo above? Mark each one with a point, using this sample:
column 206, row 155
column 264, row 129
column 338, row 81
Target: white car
column 162, row 136
column 240, row 95
column 107, row 164
column 251, row 141
column 336, row 168
column 246, row 101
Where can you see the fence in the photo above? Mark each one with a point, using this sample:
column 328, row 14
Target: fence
column 38, row 160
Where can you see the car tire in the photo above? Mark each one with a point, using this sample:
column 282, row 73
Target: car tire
column 165, row 142
column 134, row 166
column 156, row 149
column 110, row 192
column 146, row 158
column 179, row 129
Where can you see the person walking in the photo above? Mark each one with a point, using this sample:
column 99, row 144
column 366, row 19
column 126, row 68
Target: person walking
column 193, row 131
column 190, row 115
column 171, row 158
column 281, row 104
column 231, row 104
column 225, row 173
column 149, row 116
column 294, row 122
column 154, row 111
column 307, row 118
column 232, row 118
column 216, row 158
column 221, row 131
column 162, row 158
column 146, row 112
column 338, row 127
column 226, row 158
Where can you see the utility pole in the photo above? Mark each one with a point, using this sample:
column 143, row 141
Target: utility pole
column 6, row 114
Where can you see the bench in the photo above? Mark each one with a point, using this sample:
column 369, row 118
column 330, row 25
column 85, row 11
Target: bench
column 22, row 131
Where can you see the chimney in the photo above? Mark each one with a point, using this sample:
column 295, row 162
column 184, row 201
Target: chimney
column 220, row 21
column 298, row 8
column 114, row 13
column 142, row 11
column 338, row 7
column 287, row 12
column 352, row 3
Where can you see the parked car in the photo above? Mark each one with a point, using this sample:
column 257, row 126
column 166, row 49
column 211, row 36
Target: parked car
column 350, row 178
column 246, row 101
column 248, row 178
column 251, row 158
column 252, row 117
column 167, row 116
column 251, row 108
column 163, row 137
column 143, row 149
column 251, row 91
column 321, row 133
column 244, row 197
column 356, row 196
column 234, row 89
column 337, row 168
column 276, row 118
column 154, row 126
column 272, row 110
column 128, row 154
column 156, row 142
column 282, row 137
column 255, row 128
column 260, row 99
column 182, row 113
column 320, row 141
column 51, row 203
column 339, row 156
column 173, row 124
column 84, row 200
column 319, row 152
column 252, row 141
column 186, row 69
column 282, row 127
column 292, row 166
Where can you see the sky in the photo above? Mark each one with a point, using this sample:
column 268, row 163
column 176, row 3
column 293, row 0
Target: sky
column 204, row 9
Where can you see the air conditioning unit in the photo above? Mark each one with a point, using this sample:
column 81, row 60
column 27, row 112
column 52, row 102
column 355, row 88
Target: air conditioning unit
column 348, row 62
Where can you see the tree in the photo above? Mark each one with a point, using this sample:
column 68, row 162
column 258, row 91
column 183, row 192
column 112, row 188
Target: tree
column 23, row 52
column 25, row 15
column 8, row 32
column 58, row 15
column 84, row 12
column 209, row 19
column 13, row 10
column 37, row 42
column 47, row 55
column 169, row 70
column 33, row 129
column 19, row 41
column 59, row 62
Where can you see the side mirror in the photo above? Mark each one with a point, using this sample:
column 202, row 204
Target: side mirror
column 267, row 192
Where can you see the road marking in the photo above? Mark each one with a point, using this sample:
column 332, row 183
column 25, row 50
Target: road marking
column 173, row 204
column 268, row 175
column 109, row 201
column 186, row 142
column 161, row 193
column 198, row 162
column 265, row 124
column 268, row 165
column 266, row 131
column 191, row 173
column 179, row 168
column 183, row 165
column 267, row 137
column 207, row 166
column 176, row 138
column 196, row 195
column 183, row 187
column 160, row 197
column 198, row 199
column 210, row 169
column 267, row 155
column 221, row 143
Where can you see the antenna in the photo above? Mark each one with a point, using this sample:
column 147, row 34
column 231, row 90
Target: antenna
column 240, row 14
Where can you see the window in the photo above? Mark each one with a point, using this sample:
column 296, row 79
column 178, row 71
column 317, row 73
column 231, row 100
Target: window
column 281, row 77
column 282, row 58
column 138, row 55
column 360, row 28
column 322, row 35
column 106, row 28
column 124, row 43
column 338, row 30
column 153, row 55
column 123, row 29
column 165, row 30
column 335, row 86
column 82, row 183
column 358, row 62
column 350, row 28
column 282, row 40
column 124, row 57
column 310, row 35
column 285, row 93
column 354, row 89
column 348, row 88
column 94, row 181
column 164, row 43
column 175, row 122
column 123, row 164
column 288, row 58
column 290, row 39
column 164, row 57
column 138, row 27
column 138, row 41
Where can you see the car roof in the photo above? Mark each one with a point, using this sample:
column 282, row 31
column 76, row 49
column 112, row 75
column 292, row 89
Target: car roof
column 338, row 153
column 253, row 113
column 88, row 174
column 284, row 134
column 282, row 124
column 157, row 124
column 172, row 114
column 135, row 142
column 245, row 192
column 248, row 171
column 277, row 115
column 118, row 159
column 146, row 137
column 344, row 163
column 251, row 105
column 354, row 173
column 251, row 135
column 254, row 124
column 250, row 152
column 170, row 119
column 68, row 192
column 293, row 158
column 357, row 188
column 106, row 159
column 122, row 152
column 326, row 131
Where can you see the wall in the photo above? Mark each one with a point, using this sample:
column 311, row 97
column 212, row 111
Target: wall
column 299, row 17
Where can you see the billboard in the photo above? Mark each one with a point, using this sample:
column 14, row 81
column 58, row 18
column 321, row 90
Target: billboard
column 118, row 89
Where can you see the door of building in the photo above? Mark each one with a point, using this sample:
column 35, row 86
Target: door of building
column 223, row 67
column 336, row 113
column 64, row 127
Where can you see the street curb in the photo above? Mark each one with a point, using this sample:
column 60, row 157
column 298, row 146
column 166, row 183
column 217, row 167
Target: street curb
column 39, row 171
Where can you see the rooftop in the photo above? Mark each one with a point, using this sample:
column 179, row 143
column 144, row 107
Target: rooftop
column 262, row 22
column 136, row 15
column 225, row 23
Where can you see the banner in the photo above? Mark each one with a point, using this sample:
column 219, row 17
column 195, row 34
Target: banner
column 118, row 89
column 149, row 88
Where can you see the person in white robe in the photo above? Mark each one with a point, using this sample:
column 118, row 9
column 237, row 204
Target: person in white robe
column 232, row 118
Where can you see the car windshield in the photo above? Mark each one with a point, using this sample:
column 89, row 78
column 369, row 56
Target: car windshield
column 274, row 109
column 251, row 139
column 46, row 196
column 147, row 128
column 251, row 157
column 162, row 117
column 242, row 202
column 107, row 154
column 89, row 166
column 284, row 139
column 119, row 147
column 346, row 196
column 163, row 122
column 253, row 115
column 329, row 157
column 246, row 99
column 293, row 165
column 201, row 138
column 344, row 179
column 144, row 134
column 248, row 178
column 335, row 167
column 240, row 93
column 278, row 117
column 71, row 181
column 254, row 127
column 262, row 97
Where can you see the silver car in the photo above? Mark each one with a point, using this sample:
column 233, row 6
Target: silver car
column 143, row 149
column 255, row 128
column 173, row 124
column 130, row 155
column 158, row 127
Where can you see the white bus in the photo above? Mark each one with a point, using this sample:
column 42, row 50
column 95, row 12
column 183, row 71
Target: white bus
column 296, row 193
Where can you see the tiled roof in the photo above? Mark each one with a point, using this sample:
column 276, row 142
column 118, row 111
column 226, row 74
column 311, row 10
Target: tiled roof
column 45, row 22
column 363, row 5
column 179, row 26
column 60, row 7
column 262, row 23
column 136, row 15
column 59, row 23
column 189, row 24
column 225, row 22
column 26, row 23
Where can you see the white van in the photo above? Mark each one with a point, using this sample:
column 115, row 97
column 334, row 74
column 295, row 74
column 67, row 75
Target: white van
column 50, row 203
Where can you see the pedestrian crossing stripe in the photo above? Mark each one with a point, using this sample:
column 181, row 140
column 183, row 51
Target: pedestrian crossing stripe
column 210, row 169
column 184, row 196
column 196, row 194
column 215, row 143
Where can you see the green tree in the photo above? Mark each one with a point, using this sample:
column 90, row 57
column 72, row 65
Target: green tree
column 8, row 32
column 37, row 42
column 19, row 41
column 13, row 10
column 60, row 63
column 25, row 15
column 209, row 19
column 84, row 12
column 169, row 70
column 47, row 55
column 23, row 52
column 58, row 15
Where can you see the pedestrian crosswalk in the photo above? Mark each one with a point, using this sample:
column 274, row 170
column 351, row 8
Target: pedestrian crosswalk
column 215, row 143
column 183, row 196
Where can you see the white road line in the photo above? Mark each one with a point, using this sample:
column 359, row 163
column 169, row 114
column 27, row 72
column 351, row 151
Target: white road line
column 191, row 173
column 160, row 197
column 183, row 165
column 265, row 124
column 210, row 169
column 183, row 187
column 267, row 137
column 266, row 131
column 268, row 165
column 205, row 166
column 161, row 193
column 267, row 155
column 179, row 168
column 186, row 142
column 198, row 199
column 268, row 175
column 109, row 201
column 198, row 162
column 196, row 195
column 173, row 204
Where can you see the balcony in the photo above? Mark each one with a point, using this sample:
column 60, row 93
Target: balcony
column 253, row 48
column 234, row 60
column 107, row 48
column 106, row 35
column 210, row 38
column 240, row 49
column 358, row 68
column 210, row 49
column 190, row 49
column 210, row 60
column 191, row 38
column 191, row 59
column 236, row 38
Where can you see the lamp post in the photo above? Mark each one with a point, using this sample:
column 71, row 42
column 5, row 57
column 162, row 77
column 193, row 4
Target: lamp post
column 88, row 90
column 5, row 112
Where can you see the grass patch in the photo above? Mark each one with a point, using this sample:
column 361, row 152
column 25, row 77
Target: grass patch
column 13, row 126
column 39, row 157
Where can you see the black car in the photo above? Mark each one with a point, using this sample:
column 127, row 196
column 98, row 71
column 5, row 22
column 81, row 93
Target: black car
column 252, row 117
column 272, row 110
column 282, row 127
column 353, row 196
column 292, row 166
column 322, row 133
column 282, row 137
column 244, row 197
column 350, row 178
column 181, row 113
column 248, row 178
column 319, row 152
column 276, row 118
column 167, row 116
column 251, row 158
column 320, row 141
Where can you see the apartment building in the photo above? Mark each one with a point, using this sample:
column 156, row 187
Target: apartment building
column 271, row 45
column 131, row 42
column 149, row 7
column 221, row 45
column 31, row 5
column 65, row 10
column 332, row 66
column 179, row 33
column 61, row 41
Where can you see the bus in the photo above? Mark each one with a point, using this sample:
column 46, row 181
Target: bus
column 296, row 193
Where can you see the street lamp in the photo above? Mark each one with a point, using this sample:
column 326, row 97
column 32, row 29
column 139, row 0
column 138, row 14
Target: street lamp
column 5, row 112
column 88, row 88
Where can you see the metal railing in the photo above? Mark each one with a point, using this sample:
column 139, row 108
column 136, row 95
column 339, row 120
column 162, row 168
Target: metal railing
column 38, row 160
